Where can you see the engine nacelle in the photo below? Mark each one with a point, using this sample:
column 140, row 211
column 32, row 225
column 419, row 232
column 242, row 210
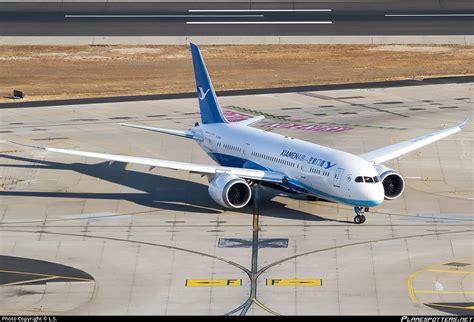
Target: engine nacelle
column 393, row 182
column 230, row 191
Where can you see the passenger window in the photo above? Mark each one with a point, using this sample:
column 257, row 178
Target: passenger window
column 376, row 179
column 358, row 179
column 368, row 179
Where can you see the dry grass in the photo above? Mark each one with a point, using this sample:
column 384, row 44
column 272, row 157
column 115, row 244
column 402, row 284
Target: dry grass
column 53, row 72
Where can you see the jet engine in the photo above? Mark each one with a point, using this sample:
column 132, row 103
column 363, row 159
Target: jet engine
column 230, row 191
column 393, row 182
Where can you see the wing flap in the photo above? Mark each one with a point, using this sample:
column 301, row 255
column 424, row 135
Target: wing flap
column 393, row 151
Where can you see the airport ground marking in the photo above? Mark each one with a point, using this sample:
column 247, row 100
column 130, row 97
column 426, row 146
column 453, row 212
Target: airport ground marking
column 294, row 282
column 30, row 281
column 167, row 16
column 259, row 10
column 229, row 282
column 412, row 292
column 257, row 22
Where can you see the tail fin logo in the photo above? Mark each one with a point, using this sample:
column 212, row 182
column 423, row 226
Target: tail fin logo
column 202, row 94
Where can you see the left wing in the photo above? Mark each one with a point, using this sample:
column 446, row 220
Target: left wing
column 396, row 150
column 264, row 175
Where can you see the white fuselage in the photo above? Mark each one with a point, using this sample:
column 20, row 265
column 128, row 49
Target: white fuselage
column 309, row 168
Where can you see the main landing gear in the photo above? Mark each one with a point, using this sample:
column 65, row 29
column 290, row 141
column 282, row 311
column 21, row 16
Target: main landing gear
column 360, row 218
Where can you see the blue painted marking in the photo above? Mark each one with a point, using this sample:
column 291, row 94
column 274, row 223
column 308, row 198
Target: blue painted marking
column 354, row 202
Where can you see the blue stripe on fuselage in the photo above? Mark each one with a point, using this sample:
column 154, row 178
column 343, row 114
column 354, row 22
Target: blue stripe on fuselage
column 299, row 187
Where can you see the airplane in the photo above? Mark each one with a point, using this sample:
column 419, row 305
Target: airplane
column 247, row 155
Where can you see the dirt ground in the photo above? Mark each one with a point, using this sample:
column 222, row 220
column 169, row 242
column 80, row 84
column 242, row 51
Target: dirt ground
column 59, row 72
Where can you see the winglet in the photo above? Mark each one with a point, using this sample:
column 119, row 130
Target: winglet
column 209, row 106
column 464, row 123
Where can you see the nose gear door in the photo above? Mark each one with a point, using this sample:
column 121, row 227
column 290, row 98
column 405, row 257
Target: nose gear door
column 337, row 177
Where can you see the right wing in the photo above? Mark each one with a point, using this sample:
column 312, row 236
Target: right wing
column 395, row 150
column 264, row 175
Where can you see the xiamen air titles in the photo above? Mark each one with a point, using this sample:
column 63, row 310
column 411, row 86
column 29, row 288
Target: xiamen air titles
column 246, row 155
column 310, row 160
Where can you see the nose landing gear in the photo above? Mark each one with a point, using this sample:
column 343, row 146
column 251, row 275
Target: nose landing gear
column 360, row 218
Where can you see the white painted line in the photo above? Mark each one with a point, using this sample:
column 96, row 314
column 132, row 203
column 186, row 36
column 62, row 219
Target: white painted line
column 163, row 16
column 261, row 10
column 256, row 22
column 412, row 177
column 434, row 15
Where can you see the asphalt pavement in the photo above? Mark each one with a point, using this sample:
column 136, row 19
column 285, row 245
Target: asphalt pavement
column 387, row 17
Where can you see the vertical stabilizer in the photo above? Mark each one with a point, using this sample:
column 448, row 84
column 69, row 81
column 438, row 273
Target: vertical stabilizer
column 210, row 109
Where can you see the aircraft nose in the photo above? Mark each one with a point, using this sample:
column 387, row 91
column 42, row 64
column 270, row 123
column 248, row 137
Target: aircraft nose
column 376, row 195
column 379, row 194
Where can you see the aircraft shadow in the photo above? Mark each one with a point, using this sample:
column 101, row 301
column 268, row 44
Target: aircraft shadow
column 157, row 191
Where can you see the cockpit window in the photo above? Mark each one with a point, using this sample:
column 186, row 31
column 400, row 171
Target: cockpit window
column 359, row 179
column 368, row 179
column 376, row 179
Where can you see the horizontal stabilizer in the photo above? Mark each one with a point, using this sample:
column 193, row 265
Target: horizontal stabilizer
column 186, row 134
column 251, row 121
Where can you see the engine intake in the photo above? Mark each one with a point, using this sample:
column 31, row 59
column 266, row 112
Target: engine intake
column 230, row 191
column 393, row 182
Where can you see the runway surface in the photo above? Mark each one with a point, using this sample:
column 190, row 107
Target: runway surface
column 153, row 241
column 383, row 17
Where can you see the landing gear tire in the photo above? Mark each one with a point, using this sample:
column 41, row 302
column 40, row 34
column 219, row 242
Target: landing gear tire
column 360, row 218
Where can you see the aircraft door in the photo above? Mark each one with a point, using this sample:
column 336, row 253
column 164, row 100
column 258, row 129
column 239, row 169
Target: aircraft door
column 246, row 150
column 337, row 177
